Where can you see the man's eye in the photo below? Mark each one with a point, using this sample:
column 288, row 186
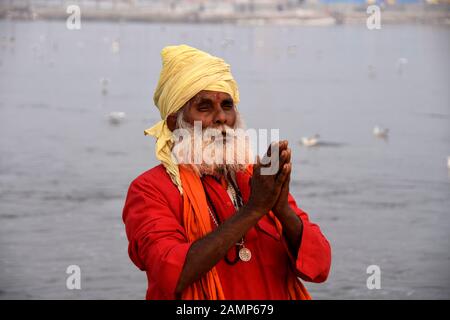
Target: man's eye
column 228, row 106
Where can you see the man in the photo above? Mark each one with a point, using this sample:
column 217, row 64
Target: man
column 216, row 229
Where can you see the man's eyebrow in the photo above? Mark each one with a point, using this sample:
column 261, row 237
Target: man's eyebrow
column 203, row 100
column 227, row 100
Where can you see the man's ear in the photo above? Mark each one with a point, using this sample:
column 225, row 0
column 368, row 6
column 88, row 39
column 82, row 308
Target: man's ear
column 172, row 121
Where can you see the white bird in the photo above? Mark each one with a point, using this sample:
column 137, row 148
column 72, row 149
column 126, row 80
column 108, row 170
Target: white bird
column 104, row 83
column 116, row 117
column 380, row 132
column 310, row 141
column 115, row 46
column 400, row 63
column 448, row 162
column 227, row 43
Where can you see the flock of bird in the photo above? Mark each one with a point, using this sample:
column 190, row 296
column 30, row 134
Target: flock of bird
column 378, row 132
column 314, row 141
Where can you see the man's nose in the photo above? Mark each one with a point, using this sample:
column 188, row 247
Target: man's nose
column 220, row 117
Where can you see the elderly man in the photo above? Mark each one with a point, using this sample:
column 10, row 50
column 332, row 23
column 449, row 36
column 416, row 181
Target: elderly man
column 216, row 229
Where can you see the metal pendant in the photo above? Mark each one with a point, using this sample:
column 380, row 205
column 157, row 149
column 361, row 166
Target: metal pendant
column 245, row 254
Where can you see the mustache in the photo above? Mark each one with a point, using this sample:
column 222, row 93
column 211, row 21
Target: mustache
column 209, row 150
column 225, row 134
column 222, row 130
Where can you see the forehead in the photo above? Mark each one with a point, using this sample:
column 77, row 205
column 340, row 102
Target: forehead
column 212, row 95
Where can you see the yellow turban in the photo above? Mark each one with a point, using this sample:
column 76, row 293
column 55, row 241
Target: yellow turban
column 185, row 72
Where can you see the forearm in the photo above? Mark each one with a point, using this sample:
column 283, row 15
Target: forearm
column 292, row 228
column 206, row 252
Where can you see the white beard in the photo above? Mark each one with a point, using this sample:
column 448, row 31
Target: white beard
column 208, row 151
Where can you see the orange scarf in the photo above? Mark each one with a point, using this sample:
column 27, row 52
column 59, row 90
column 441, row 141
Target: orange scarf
column 197, row 224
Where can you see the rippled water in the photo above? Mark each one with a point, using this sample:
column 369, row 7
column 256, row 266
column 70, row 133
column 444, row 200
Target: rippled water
column 65, row 170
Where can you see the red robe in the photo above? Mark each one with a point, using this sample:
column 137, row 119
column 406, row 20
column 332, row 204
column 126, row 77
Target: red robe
column 158, row 245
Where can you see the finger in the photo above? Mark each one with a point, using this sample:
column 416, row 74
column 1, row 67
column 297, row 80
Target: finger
column 289, row 155
column 289, row 172
column 270, row 148
column 283, row 153
column 288, row 177
column 257, row 166
column 286, row 182
column 285, row 187
column 273, row 148
column 285, row 157
column 283, row 175
column 283, row 145
column 282, row 161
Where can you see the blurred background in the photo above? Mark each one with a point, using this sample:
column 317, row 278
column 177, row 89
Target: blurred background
column 366, row 113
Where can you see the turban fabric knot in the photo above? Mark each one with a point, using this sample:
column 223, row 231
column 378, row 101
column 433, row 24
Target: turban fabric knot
column 185, row 72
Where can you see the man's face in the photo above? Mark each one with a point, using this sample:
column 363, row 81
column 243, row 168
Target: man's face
column 212, row 108
column 220, row 145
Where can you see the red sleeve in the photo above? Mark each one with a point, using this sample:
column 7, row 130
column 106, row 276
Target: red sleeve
column 314, row 255
column 157, row 241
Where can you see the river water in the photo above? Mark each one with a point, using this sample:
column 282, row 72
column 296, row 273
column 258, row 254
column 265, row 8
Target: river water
column 65, row 170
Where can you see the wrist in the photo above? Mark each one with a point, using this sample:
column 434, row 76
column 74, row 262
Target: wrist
column 283, row 210
column 255, row 210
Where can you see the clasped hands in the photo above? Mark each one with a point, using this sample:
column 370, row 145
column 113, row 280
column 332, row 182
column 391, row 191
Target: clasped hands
column 270, row 180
